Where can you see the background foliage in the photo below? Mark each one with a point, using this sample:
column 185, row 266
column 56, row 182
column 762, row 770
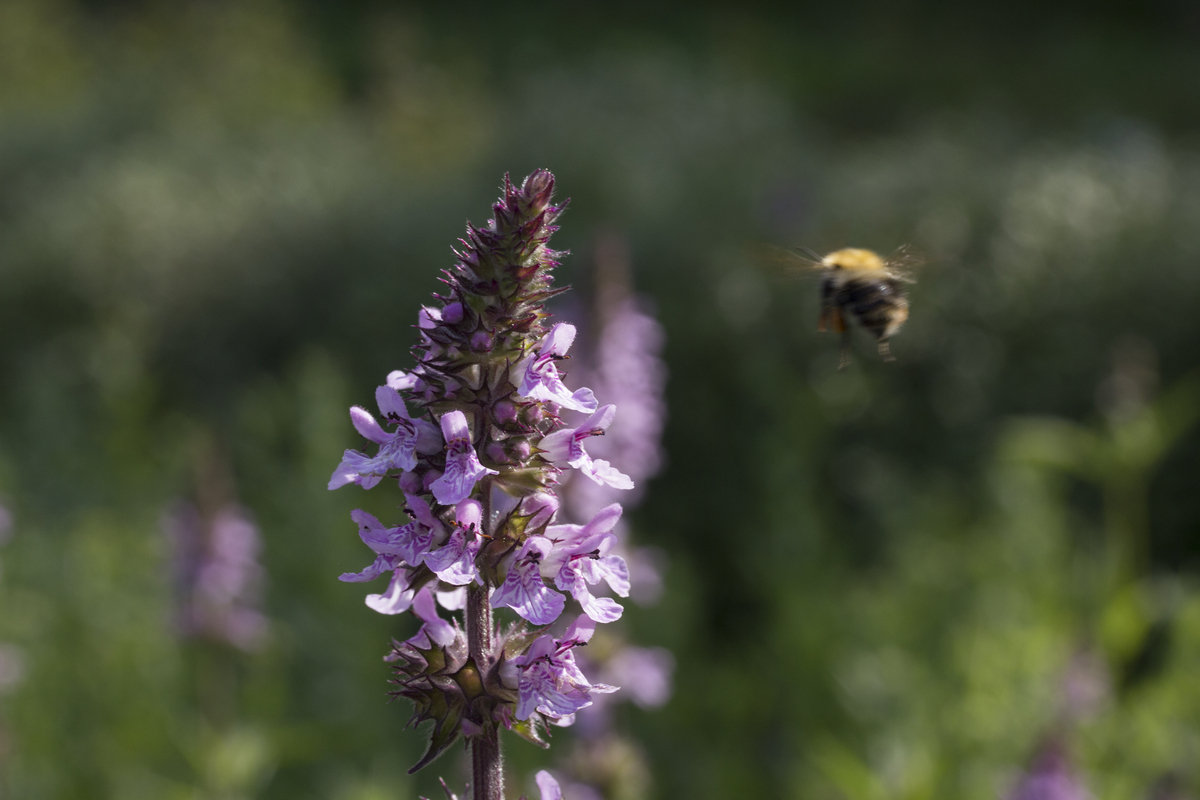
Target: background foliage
column 217, row 221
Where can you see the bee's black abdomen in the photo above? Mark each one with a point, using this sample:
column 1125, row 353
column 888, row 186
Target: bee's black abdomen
column 875, row 303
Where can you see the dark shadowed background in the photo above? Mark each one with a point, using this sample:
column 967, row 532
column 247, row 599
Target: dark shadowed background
column 908, row 580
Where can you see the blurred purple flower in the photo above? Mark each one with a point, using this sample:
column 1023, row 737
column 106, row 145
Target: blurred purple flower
column 217, row 576
column 1049, row 777
column 643, row 673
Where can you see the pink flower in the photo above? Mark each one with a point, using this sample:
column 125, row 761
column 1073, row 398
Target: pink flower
column 549, row 682
column 397, row 450
column 566, row 446
column 523, row 589
column 537, row 376
column 462, row 464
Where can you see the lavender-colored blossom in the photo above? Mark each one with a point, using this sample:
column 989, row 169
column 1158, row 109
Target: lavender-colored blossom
column 581, row 558
column 1050, row 777
column 537, row 376
column 566, row 446
column 454, row 562
column 523, row 589
column 643, row 673
column 397, row 450
column 217, row 575
column 549, row 681
column 462, row 464
column 405, row 544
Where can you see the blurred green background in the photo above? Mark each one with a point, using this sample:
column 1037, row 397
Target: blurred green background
column 217, row 222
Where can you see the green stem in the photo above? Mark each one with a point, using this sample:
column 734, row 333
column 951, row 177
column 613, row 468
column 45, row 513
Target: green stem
column 487, row 766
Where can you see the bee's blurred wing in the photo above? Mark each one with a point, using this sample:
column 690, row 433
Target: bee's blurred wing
column 904, row 261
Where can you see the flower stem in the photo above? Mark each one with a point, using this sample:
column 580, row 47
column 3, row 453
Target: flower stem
column 487, row 767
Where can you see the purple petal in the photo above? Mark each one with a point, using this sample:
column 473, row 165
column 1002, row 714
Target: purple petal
column 469, row 514
column 581, row 630
column 425, row 608
column 398, row 597
column 600, row 420
column 558, row 445
column 401, row 380
column 381, row 539
column 605, row 474
column 381, row 565
column 613, row 571
column 583, row 400
column 454, row 426
column 429, row 437
column 421, row 510
column 391, row 405
column 548, row 786
column 525, row 592
column 454, row 562
column 366, row 425
column 600, row 609
column 343, row 474
column 558, row 340
column 453, row 600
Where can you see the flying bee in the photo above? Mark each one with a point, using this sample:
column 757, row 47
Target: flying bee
column 866, row 288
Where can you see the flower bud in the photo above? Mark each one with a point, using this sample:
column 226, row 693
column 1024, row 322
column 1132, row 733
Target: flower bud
column 453, row 313
column 504, row 412
column 521, row 451
column 496, row 453
column 481, row 341
column 410, row 482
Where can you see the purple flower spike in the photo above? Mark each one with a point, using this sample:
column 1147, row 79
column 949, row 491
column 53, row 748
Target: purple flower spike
column 539, row 378
column 480, row 460
column 462, row 464
column 397, row 450
column 549, row 681
column 454, row 562
column 436, row 628
column 566, row 446
column 523, row 589
column 398, row 598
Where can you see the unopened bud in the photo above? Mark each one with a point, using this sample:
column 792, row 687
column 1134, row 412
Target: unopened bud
column 453, row 313
column 481, row 341
column 504, row 412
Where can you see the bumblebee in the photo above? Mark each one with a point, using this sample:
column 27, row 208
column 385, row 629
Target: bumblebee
column 865, row 288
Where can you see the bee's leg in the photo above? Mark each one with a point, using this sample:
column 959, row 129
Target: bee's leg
column 844, row 358
column 885, row 350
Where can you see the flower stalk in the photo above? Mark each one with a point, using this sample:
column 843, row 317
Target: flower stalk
column 477, row 445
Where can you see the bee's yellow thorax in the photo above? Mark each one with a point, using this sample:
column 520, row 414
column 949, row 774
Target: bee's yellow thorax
column 853, row 258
